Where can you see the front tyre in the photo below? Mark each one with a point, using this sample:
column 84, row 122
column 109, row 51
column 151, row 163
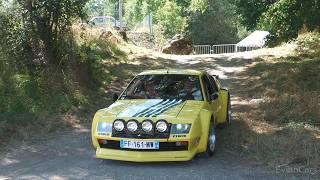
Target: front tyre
column 211, row 144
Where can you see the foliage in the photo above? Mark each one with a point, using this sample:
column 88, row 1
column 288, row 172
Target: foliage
column 251, row 10
column 216, row 24
column 309, row 45
column 167, row 14
column 92, row 51
column 168, row 17
column 45, row 70
column 283, row 18
column 199, row 5
column 159, row 37
column 101, row 7
column 47, row 22
column 192, row 17
column 134, row 11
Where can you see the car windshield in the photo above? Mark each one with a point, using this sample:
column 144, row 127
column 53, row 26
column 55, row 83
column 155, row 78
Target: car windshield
column 168, row 86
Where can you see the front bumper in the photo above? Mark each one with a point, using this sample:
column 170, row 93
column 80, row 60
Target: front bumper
column 143, row 156
column 168, row 151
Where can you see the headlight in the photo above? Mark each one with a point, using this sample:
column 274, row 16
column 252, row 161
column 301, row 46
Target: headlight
column 132, row 126
column 147, row 126
column 104, row 127
column 161, row 126
column 180, row 128
column 118, row 125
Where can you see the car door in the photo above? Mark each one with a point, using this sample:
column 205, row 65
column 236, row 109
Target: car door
column 109, row 21
column 217, row 88
column 211, row 91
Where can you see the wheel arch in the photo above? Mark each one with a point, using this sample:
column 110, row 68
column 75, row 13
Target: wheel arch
column 94, row 141
column 206, row 117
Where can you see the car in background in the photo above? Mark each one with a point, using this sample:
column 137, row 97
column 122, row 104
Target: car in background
column 105, row 21
column 163, row 115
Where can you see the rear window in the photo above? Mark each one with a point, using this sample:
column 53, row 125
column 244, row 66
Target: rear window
column 164, row 86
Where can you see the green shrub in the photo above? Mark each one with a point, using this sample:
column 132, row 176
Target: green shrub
column 309, row 44
column 170, row 19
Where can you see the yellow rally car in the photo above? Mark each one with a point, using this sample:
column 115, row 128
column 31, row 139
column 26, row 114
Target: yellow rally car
column 163, row 115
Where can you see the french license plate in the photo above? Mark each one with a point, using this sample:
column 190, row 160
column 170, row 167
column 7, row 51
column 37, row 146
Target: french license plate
column 132, row 144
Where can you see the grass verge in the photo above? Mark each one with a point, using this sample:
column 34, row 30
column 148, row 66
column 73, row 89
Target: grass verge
column 284, row 128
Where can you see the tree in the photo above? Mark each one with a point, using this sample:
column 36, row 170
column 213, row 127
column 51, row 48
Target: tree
column 199, row 5
column 166, row 13
column 251, row 10
column 206, row 21
column 285, row 17
column 134, row 11
column 215, row 24
column 49, row 20
column 169, row 18
column 101, row 7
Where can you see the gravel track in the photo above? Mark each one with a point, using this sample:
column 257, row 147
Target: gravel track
column 69, row 155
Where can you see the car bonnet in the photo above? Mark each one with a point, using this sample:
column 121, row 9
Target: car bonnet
column 159, row 108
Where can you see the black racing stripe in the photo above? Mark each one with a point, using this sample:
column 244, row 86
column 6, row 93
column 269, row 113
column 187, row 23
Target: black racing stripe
column 146, row 109
column 151, row 110
column 164, row 109
column 155, row 108
column 160, row 108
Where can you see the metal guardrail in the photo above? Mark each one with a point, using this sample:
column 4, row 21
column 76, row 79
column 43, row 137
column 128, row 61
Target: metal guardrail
column 201, row 49
column 224, row 48
column 221, row 49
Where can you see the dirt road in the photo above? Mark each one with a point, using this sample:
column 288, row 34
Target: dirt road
column 69, row 155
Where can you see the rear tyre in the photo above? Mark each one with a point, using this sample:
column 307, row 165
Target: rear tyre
column 211, row 144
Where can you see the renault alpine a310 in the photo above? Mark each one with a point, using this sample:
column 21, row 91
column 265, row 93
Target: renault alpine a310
column 163, row 115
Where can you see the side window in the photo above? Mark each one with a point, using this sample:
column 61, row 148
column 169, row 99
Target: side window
column 207, row 86
column 214, row 84
column 108, row 21
column 218, row 83
column 99, row 20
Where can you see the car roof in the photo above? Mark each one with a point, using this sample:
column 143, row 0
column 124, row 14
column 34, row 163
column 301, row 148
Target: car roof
column 173, row 71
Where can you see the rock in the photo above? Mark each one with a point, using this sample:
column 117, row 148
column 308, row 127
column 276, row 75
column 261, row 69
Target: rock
column 179, row 45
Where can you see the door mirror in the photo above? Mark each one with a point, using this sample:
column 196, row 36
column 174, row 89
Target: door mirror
column 115, row 97
column 214, row 97
column 215, row 76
